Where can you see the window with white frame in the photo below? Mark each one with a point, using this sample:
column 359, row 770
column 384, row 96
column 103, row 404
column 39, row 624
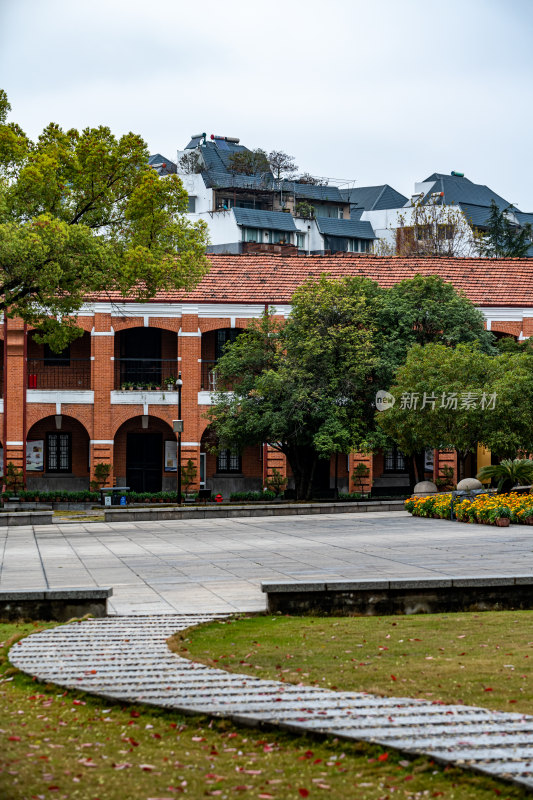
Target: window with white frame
column 251, row 235
column 300, row 241
column 192, row 204
column 280, row 237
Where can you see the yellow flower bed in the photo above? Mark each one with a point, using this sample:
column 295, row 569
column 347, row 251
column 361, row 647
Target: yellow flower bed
column 485, row 508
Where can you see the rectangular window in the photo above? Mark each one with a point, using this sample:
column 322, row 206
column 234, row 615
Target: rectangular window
column 423, row 232
column 445, row 231
column 58, row 452
column 52, row 359
column 332, row 212
column 281, row 237
column 300, row 241
column 353, row 245
column 394, row 460
column 250, row 235
column 229, row 461
column 225, row 335
column 202, row 470
column 192, row 204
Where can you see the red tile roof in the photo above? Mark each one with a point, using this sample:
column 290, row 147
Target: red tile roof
column 273, row 279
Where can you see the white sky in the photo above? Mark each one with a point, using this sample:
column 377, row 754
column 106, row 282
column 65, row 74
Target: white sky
column 380, row 91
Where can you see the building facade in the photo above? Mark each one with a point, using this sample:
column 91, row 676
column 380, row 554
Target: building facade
column 112, row 397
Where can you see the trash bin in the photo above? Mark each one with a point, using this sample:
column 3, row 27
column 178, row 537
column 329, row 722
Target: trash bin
column 114, row 496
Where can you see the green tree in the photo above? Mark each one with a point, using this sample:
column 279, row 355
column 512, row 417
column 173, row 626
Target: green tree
column 249, row 162
column 305, row 386
column 455, row 398
column 438, row 400
column 81, row 213
column 503, row 238
column 309, row 386
column 425, row 310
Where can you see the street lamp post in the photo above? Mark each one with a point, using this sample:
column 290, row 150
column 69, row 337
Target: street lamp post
column 178, row 427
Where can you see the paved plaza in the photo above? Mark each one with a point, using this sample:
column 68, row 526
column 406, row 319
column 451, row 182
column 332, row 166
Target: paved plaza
column 213, row 566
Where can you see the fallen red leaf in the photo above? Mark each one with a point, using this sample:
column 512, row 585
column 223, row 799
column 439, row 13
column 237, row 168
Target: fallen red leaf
column 303, row 792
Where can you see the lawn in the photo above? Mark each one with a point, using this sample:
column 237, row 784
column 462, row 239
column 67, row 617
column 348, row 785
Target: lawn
column 478, row 659
column 63, row 744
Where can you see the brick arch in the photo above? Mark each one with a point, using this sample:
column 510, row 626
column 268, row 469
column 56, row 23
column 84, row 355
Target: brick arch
column 124, row 459
column 172, row 325
column 49, row 419
column 78, row 476
column 127, row 416
column 37, row 413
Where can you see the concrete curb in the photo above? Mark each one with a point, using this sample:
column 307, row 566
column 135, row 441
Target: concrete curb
column 226, row 511
column 11, row 518
column 403, row 596
column 54, row 604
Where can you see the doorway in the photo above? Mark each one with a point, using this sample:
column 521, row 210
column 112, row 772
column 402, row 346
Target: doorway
column 140, row 355
column 144, row 459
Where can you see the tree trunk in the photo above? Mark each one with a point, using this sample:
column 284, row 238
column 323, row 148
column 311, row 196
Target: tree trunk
column 420, row 464
column 303, row 462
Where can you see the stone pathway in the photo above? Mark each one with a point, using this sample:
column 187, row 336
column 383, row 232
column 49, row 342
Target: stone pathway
column 126, row 658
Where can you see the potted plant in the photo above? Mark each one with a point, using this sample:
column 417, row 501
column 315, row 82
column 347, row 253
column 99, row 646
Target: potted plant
column 500, row 516
column 170, row 382
column 188, row 477
column 360, row 474
column 275, row 483
column 527, row 516
column 14, row 480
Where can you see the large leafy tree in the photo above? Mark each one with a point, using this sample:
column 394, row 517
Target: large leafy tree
column 503, row 238
column 304, row 386
column 81, row 213
column 308, row 386
column 459, row 397
column 427, row 310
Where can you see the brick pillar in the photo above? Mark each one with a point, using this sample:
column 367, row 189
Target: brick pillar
column 14, row 390
column 275, row 460
column 190, row 353
column 102, row 383
column 360, row 458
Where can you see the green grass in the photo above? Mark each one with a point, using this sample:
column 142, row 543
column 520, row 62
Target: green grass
column 63, row 744
column 478, row 659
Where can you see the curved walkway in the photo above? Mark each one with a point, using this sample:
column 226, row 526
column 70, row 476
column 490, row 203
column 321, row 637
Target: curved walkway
column 126, row 658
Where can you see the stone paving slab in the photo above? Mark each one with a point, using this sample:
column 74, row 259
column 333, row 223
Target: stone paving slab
column 171, row 567
column 127, row 658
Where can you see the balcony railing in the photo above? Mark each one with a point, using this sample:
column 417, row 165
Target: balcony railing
column 73, row 374
column 209, row 376
column 146, row 373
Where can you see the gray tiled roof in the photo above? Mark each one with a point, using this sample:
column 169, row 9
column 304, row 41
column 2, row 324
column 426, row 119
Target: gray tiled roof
column 162, row 165
column 269, row 220
column 462, row 190
column 524, row 218
column 476, row 215
column 345, row 227
column 374, row 198
column 309, row 191
column 218, row 172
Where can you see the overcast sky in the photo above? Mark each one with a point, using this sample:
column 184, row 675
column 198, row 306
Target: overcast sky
column 377, row 91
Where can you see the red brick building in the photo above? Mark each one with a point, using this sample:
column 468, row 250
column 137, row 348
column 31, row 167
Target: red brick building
column 110, row 398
